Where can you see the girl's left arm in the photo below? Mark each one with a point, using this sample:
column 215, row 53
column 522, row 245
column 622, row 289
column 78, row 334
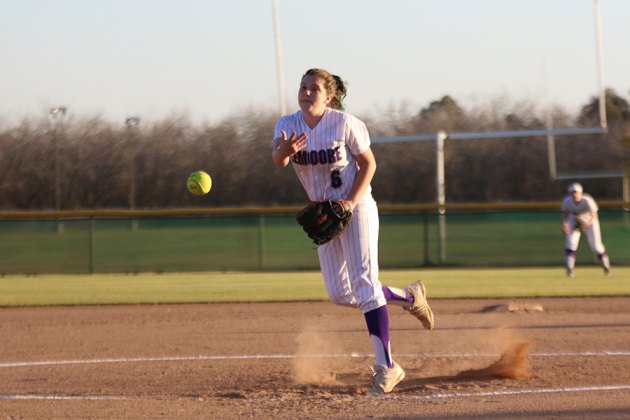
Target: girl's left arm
column 367, row 168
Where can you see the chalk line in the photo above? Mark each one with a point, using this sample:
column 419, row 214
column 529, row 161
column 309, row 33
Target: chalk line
column 435, row 396
column 517, row 392
column 61, row 397
column 603, row 353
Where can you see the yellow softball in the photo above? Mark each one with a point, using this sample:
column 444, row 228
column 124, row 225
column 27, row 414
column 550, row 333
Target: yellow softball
column 199, row 183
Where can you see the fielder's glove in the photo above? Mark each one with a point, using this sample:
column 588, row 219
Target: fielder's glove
column 579, row 225
column 324, row 220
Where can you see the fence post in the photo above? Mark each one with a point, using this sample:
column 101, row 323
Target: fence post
column 426, row 239
column 91, row 245
column 261, row 242
column 441, row 194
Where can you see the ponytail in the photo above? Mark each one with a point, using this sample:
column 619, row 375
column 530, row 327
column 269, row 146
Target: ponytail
column 340, row 93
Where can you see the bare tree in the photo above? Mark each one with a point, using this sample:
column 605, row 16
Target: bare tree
column 99, row 161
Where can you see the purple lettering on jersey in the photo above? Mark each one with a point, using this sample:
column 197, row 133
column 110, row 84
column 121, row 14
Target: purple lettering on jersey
column 300, row 158
column 317, row 157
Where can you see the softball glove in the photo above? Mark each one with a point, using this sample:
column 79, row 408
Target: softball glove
column 324, row 220
column 580, row 225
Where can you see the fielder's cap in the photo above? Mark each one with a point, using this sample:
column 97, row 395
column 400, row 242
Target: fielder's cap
column 575, row 186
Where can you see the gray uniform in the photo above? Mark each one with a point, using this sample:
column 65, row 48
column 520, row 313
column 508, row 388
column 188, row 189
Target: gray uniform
column 582, row 214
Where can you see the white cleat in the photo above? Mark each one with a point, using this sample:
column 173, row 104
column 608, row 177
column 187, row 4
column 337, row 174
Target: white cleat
column 385, row 379
column 420, row 308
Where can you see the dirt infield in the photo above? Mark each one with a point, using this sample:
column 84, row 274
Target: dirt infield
column 310, row 360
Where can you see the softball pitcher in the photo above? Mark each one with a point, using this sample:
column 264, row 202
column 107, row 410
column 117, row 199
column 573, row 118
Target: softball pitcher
column 579, row 214
column 331, row 155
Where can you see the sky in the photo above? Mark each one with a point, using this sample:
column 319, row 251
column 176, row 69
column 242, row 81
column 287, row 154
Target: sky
column 212, row 59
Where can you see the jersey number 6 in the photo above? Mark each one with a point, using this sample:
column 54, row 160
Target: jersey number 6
column 335, row 179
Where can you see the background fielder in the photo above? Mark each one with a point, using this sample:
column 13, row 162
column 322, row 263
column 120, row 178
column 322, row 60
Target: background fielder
column 580, row 214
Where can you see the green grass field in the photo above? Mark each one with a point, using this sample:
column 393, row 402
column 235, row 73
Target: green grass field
column 214, row 287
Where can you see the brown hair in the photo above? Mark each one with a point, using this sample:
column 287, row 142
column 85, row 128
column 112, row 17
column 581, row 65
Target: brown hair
column 334, row 86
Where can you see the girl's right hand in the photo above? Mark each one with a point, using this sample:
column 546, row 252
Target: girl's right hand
column 291, row 145
column 285, row 147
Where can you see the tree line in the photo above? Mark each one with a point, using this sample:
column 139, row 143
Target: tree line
column 89, row 163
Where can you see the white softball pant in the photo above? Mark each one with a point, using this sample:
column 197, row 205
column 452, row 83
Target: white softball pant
column 593, row 235
column 349, row 263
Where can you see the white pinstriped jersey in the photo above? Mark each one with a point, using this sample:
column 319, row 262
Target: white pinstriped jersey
column 582, row 210
column 326, row 167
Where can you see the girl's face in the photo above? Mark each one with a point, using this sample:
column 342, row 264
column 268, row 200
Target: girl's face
column 312, row 95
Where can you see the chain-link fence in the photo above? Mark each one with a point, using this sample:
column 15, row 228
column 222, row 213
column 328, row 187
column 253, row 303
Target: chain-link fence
column 267, row 242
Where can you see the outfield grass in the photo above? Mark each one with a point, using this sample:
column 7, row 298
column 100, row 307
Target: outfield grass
column 44, row 290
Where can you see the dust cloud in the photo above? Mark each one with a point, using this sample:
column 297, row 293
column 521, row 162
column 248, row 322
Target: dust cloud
column 314, row 363
column 513, row 363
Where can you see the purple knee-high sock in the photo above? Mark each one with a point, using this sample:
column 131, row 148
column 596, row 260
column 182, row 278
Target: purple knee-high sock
column 390, row 296
column 378, row 326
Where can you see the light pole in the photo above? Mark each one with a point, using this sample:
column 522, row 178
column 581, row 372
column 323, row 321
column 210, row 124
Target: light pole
column 132, row 122
column 56, row 113
column 278, row 43
column 603, row 122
